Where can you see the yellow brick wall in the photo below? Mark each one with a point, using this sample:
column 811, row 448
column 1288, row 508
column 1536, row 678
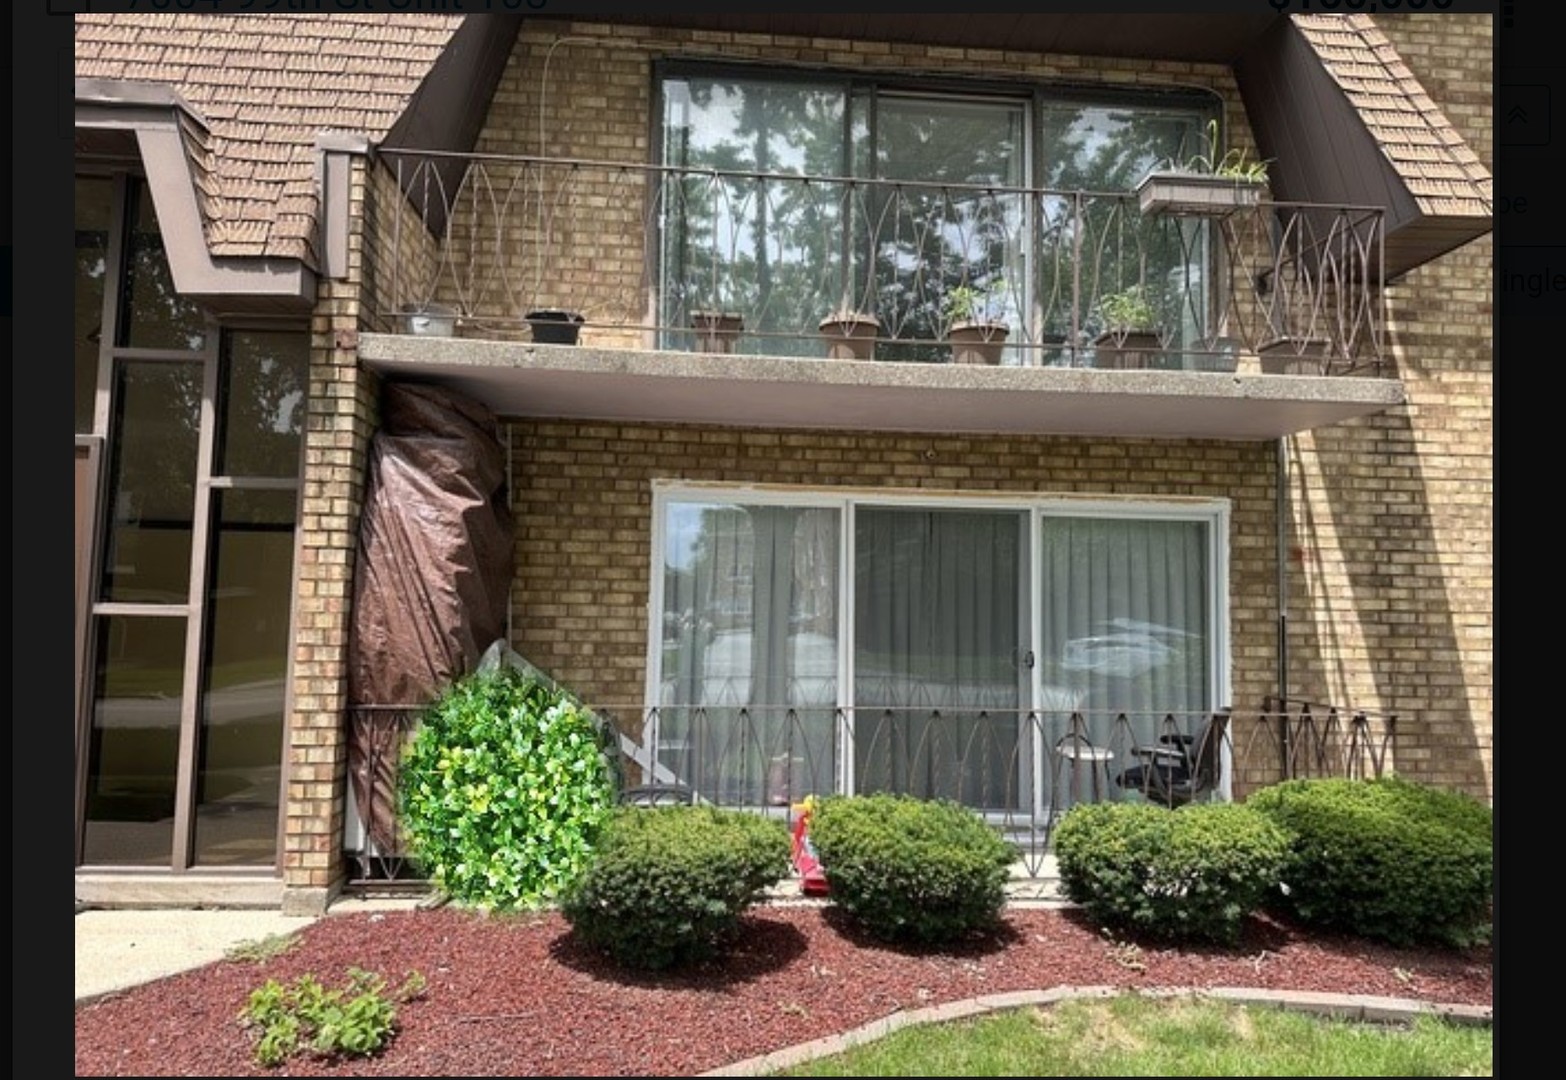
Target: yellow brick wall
column 340, row 421
column 1389, row 540
column 1391, row 602
column 582, row 497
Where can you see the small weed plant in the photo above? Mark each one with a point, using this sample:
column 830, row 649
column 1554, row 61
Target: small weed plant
column 1131, row 310
column 973, row 303
column 260, row 950
column 305, row 1017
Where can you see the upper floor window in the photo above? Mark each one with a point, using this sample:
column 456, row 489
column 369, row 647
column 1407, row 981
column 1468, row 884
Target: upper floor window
column 786, row 198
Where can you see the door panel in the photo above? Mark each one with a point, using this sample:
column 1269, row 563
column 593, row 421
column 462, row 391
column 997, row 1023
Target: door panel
column 939, row 611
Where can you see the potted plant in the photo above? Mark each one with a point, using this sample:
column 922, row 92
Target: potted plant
column 429, row 320
column 717, row 331
column 552, row 326
column 849, row 334
column 1130, row 337
column 1204, row 185
column 977, row 334
column 1289, row 354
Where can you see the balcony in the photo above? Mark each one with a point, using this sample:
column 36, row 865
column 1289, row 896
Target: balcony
column 1258, row 322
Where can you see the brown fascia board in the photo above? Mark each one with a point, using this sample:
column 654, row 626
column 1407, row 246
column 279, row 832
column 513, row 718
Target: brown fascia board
column 152, row 113
column 448, row 110
column 1324, row 151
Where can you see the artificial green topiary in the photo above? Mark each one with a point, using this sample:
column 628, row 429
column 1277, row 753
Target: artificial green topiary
column 910, row 869
column 504, row 790
column 1388, row 859
column 668, row 884
column 1189, row 874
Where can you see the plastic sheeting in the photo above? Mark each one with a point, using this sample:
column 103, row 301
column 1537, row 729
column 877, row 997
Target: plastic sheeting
column 433, row 571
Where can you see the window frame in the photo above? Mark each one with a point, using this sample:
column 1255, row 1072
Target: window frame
column 1215, row 511
column 1035, row 95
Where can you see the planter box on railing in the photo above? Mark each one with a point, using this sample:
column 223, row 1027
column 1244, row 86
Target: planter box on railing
column 1195, row 194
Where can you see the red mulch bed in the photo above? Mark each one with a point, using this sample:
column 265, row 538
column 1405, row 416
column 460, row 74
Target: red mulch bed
column 519, row 995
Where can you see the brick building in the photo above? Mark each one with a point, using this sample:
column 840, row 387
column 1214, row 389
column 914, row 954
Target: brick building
column 1277, row 504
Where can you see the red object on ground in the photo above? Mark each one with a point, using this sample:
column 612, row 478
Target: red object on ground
column 812, row 876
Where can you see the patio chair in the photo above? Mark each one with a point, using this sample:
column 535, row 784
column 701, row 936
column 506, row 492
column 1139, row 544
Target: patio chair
column 1179, row 769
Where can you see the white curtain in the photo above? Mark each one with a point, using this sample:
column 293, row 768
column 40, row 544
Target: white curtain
column 1125, row 617
column 750, row 650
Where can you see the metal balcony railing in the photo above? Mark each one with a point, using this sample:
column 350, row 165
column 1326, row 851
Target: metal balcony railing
column 643, row 253
column 1020, row 769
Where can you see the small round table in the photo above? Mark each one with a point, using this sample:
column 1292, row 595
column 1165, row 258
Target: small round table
column 1082, row 753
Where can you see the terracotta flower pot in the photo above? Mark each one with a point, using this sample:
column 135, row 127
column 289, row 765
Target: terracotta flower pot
column 717, row 331
column 850, row 336
column 977, row 343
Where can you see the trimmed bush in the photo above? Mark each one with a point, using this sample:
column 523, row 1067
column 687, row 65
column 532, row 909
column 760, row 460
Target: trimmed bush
column 504, row 789
column 1388, row 859
column 1189, row 874
column 668, row 883
column 909, row 869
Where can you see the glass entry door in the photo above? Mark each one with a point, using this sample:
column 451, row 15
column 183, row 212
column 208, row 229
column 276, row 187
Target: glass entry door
column 938, row 674
column 185, row 547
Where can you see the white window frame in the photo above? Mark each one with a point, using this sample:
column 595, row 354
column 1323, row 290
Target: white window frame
column 1214, row 511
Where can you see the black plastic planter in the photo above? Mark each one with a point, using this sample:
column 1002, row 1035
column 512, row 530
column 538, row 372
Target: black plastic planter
column 554, row 327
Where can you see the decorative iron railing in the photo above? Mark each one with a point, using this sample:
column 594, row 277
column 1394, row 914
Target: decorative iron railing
column 1310, row 739
column 645, row 253
column 1020, row 769
column 377, row 850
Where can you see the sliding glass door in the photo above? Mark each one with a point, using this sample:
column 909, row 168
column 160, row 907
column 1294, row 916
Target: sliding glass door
column 935, row 648
column 749, row 659
column 938, row 621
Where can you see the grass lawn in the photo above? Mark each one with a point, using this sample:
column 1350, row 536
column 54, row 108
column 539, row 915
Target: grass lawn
column 1133, row 1035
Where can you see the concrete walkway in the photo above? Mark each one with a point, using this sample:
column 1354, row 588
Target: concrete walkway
column 120, row 948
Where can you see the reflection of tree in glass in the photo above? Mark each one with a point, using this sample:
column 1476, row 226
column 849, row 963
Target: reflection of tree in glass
column 152, row 314
column 761, row 247
column 927, row 239
column 152, row 481
column 1107, row 150
column 262, row 409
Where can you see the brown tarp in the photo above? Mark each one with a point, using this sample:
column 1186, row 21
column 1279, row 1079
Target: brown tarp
column 432, row 576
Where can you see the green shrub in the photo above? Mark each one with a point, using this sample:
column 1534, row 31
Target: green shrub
column 1388, row 859
column 504, row 790
column 1189, row 874
column 909, row 869
column 669, row 883
column 355, row 1021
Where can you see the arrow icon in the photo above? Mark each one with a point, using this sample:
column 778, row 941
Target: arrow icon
column 1516, row 115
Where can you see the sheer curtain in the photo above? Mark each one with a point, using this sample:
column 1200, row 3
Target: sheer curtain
column 937, row 612
column 1125, row 611
column 749, row 669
